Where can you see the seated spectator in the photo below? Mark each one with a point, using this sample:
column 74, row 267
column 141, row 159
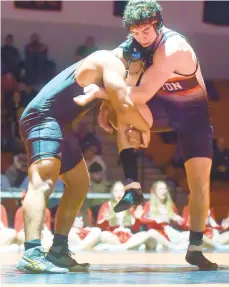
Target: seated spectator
column 35, row 60
column 212, row 234
column 6, row 132
column 27, row 93
column 9, row 87
column 10, row 57
column 86, row 49
column 119, row 229
column 158, row 215
column 98, row 183
column 14, row 105
column 7, row 235
column 82, row 235
column 87, row 138
column 220, row 162
column 46, row 235
column 91, row 157
column 17, row 172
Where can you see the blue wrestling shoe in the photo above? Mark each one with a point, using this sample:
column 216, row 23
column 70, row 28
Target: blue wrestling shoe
column 62, row 256
column 34, row 261
column 133, row 196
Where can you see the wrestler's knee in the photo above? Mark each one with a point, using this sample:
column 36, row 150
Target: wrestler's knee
column 198, row 172
column 77, row 177
column 43, row 174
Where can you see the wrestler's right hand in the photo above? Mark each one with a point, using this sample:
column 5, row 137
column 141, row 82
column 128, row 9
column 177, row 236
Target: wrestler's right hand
column 91, row 92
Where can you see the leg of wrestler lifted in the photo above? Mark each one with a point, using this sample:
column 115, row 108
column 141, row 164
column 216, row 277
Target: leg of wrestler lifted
column 43, row 175
column 77, row 184
column 198, row 176
column 129, row 157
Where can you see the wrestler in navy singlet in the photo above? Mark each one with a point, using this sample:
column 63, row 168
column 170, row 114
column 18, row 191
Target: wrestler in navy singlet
column 46, row 123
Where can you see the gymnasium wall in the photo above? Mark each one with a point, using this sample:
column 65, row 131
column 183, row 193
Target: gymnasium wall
column 63, row 31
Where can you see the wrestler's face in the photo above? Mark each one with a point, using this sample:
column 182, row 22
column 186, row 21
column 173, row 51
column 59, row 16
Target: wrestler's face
column 89, row 153
column 118, row 191
column 34, row 38
column 161, row 191
column 97, row 176
column 145, row 34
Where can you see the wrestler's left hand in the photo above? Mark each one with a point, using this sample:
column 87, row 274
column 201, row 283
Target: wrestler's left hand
column 145, row 139
column 103, row 118
column 138, row 139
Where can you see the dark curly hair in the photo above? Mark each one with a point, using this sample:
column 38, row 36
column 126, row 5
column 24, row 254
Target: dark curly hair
column 140, row 12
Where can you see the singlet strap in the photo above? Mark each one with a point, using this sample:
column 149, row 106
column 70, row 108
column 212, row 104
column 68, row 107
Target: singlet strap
column 169, row 34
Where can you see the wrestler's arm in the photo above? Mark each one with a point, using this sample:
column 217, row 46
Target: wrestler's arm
column 164, row 64
column 114, row 83
column 112, row 72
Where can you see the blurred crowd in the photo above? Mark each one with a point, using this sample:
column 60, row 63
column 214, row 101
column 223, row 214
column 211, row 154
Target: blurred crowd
column 155, row 225
column 22, row 78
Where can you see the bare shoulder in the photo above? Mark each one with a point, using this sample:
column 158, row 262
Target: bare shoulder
column 175, row 49
column 167, row 55
column 169, row 48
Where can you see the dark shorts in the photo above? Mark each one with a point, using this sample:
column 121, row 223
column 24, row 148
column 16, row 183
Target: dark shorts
column 195, row 142
column 191, row 122
column 48, row 140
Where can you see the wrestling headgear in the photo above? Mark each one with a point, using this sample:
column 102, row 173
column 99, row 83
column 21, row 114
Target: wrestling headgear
column 133, row 51
column 141, row 12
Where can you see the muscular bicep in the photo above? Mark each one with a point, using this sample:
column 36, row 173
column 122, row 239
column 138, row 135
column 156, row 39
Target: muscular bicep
column 155, row 76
